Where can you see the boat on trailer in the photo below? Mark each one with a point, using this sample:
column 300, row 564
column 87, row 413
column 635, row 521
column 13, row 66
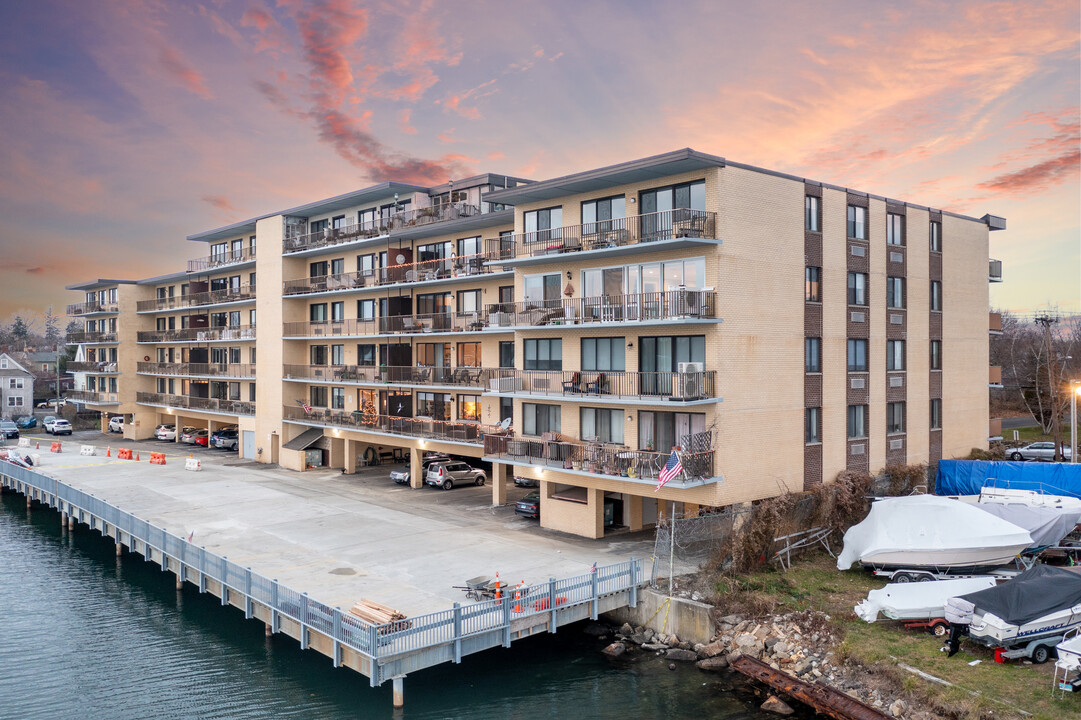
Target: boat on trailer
column 920, row 601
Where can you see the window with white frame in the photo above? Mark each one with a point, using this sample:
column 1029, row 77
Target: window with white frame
column 538, row 419
column 857, row 421
column 857, row 222
column 895, row 229
column 895, row 417
column 895, row 354
column 602, row 424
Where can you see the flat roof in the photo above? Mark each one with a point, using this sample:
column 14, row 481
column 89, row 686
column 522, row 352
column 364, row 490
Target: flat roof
column 179, row 275
column 99, row 283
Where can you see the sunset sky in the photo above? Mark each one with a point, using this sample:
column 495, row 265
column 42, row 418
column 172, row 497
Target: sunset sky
column 125, row 125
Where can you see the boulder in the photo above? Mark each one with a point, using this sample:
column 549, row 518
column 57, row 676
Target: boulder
column 774, row 704
column 626, row 629
column 615, row 649
column 639, row 638
column 712, row 664
column 654, row 646
column 681, row 655
column 712, row 650
column 732, row 619
column 897, row 709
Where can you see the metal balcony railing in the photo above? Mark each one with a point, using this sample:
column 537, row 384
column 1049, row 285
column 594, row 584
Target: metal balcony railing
column 471, row 377
column 92, row 337
column 391, row 324
column 618, row 232
column 187, row 402
column 467, row 432
column 606, row 385
column 424, row 270
column 666, row 305
column 211, row 297
column 217, row 260
column 88, row 308
column 594, row 457
column 238, row 370
column 380, row 226
column 90, row 397
column 94, row 367
column 205, row 334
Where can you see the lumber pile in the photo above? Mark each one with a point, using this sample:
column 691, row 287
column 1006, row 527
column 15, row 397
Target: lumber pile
column 381, row 615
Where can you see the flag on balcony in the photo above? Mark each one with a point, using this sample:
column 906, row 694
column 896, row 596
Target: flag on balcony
column 307, row 408
column 671, row 468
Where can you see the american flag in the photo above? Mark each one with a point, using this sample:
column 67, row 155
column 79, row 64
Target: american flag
column 307, row 408
column 671, row 468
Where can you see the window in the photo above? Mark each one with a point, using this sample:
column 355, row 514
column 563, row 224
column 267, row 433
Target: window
column 469, row 247
column 337, row 354
column 234, row 355
column 538, row 419
column 506, row 243
column 603, row 354
column 318, row 312
column 433, row 355
column 318, row 397
column 317, row 269
column 811, row 207
column 337, row 398
column 542, row 287
column 337, row 311
column 603, row 424
column 468, row 302
column 857, row 421
column 936, row 236
column 15, row 383
column 366, row 309
column 469, row 407
column 506, row 409
column 895, row 354
column 506, row 354
column 543, row 225
column 895, row 292
column 812, row 425
column 857, row 288
column 598, row 214
column 468, row 354
column 664, row 354
column 895, row 229
column 936, row 414
column 544, row 354
column 337, row 266
column 895, row 417
column 251, row 355
column 318, row 226
column 251, row 318
column 857, row 222
column 367, row 219
column 812, row 354
column 318, row 354
column 857, row 355
column 251, row 386
column 812, row 284
column 661, row 431
column 936, row 295
column 936, row 354
column 366, row 355
column 15, row 401
column 506, row 296
column 366, row 265
column 433, row 405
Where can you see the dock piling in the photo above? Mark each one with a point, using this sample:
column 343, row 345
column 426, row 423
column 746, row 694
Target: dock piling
column 399, row 696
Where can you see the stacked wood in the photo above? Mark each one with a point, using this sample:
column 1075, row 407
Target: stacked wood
column 378, row 614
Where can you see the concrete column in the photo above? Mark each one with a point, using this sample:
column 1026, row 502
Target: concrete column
column 119, row 549
column 179, row 583
column 690, row 509
column 633, row 512
column 71, row 522
column 595, row 499
column 350, row 456
column 399, row 696
column 269, row 630
column 499, row 484
column 63, row 521
column 416, row 480
column 28, row 502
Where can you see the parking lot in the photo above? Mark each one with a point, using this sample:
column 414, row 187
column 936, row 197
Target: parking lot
column 338, row 537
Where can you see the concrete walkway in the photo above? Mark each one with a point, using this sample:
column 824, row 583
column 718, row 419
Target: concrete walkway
column 337, row 537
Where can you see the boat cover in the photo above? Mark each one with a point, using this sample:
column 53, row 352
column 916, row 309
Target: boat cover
column 1038, row 591
column 966, row 477
column 917, row 600
column 920, row 523
column 1046, row 525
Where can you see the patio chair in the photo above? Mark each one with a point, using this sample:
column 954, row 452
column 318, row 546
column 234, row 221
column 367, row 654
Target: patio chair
column 575, row 384
column 598, row 386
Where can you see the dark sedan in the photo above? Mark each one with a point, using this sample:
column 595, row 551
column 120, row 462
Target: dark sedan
column 529, row 506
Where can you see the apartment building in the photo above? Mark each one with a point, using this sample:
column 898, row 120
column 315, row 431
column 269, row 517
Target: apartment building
column 772, row 331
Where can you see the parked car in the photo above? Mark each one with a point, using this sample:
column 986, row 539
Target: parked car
column 520, row 481
column 226, row 439
column 9, row 429
column 401, row 476
column 1038, row 451
column 529, row 506
column 446, row 473
column 202, row 437
column 52, row 403
column 27, row 421
column 187, row 435
column 48, row 422
column 116, row 424
column 61, row 427
column 165, row 432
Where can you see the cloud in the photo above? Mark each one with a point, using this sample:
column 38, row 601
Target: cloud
column 328, row 30
column 35, row 270
column 219, row 202
column 403, row 120
column 184, row 74
column 453, row 103
column 1036, row 177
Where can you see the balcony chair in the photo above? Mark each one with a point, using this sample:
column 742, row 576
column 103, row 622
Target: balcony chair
column 574, row 385
column 598, row 386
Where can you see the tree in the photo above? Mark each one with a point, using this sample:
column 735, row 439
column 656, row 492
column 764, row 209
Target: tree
column 52, row 330
column 20, row 331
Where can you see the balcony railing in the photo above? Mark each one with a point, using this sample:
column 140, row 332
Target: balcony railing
column 390, row 324
column 380, row 226
column 90, row 397
column 211, row 297
column 187, row 402
column 472, row 377
column 463, row 432
column 94, row 367
column 221, row 260
column 208, row 369
column 92, row 337
column 596, row 458
column 606, row 385
column 452, row 267
column 666, row 225
column 93, row 307
column 994, row 270
column 205, row 334
column 667, row 305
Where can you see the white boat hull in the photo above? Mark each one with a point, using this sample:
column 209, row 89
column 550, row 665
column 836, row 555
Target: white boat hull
column 943, row 559
column 991, row 630
column 919, row 600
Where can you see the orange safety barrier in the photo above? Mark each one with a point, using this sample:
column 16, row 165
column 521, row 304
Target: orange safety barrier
column 157, row 458
column 124, row 454
column 56, row 448
column 542, row 604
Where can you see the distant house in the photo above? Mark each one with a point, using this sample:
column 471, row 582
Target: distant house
column 42, row 365
column 16, row 387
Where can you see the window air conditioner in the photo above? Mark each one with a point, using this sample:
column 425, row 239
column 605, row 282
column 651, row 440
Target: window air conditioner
column 688, row 385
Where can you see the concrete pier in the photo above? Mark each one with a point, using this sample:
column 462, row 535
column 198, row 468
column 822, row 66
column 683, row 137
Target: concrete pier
column 398, row 684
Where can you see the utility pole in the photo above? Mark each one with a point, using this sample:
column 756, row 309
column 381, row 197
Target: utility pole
column 1052, row 379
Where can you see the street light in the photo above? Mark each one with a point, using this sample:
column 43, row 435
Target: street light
column 1073, row 419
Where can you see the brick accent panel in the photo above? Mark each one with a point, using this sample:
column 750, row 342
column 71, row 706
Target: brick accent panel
column 812, row 320
column 858, row 458
column 896, row 456
column 859, row 329
column 896, row 331
column 858, row 200
column 935, row 450
column 812, row 465
column 857, row 263
column 812, row 390
column 896, row 394
column 812, row 327
column 934, row 270
column 935, row 331
column 935, row 384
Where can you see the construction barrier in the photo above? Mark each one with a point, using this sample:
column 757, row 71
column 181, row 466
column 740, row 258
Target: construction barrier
column 87, row 450
column 193, row 464
column 36, row 458
column 124, row 454
column 57, row 447
column 24, row 442
column 157, row 458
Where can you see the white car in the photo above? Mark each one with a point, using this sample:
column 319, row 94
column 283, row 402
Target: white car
column 116, row 424
column 61, row 427
column 165, row 432
column 1038, row 451
column 48, row 423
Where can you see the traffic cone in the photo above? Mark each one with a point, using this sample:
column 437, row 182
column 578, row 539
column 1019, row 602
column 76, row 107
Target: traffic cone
column 518, row 597
column 136, row 457
column 38, row 446
column 108, row 451
column 498, row 593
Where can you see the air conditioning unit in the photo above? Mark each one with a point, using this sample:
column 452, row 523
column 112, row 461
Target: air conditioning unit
column 688, row 385
column 506, row 384
column 692, row 300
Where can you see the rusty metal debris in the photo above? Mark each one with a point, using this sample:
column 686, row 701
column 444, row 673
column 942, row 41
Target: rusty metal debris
column 822, row 698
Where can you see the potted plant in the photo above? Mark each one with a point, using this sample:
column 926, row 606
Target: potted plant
column 576, row 464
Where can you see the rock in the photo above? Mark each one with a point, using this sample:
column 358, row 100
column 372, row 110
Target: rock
column 595, row 629
column 654, row 646
column 731, row 657
column 615, row 649
column 771, row 641
column 626, row 629
column 712, row 650
column 639, row 638
column 696, row 596
column 897, row 709
column 732, row 619
column 681, row 655
column 684, row 645
column 671, row 666
column 780, row 647
column 712, row 664
column 775, row 705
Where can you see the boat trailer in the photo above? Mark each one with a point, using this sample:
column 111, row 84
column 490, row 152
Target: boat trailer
column 821, row 697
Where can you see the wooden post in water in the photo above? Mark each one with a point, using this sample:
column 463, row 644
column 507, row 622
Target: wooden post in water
column 399, row 692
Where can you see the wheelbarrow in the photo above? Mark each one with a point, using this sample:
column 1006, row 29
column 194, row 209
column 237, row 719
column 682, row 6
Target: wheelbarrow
column 478, row 588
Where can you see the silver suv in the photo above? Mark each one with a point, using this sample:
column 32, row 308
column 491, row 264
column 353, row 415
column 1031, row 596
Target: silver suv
column 446, row 474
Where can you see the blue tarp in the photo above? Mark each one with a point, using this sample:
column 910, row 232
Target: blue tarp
column 967, row 477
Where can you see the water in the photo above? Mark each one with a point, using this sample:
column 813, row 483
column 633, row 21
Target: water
column 84, row 634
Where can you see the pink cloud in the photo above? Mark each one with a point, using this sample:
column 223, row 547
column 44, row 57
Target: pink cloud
column 328, row 30
column 403, row 120
column 219, row 202
column 183, row 73
column 35, row 270
column 1036, row 177
column 271, row 35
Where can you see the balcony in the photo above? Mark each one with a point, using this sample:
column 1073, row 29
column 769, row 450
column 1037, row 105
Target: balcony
column 994, row 378
column 218, row 260
column 607, row 386
column 994, row 429
column 994, row 271
column 92, row 337
column 205, row 334
column 89, row 397
column 197, row 370
column 187, row 402
column 93, row 308
column 593, row 458
column 423, row 271
column 212, row 297
column 451, row 431
column 607, row 235
column 681, row 304
column 101, row 368
column 465, row 377
column 994, row 323
column 381, row 226
column 389, row 325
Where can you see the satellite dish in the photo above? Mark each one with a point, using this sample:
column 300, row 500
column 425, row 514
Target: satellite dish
column 505, row 424
column 399, row 259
